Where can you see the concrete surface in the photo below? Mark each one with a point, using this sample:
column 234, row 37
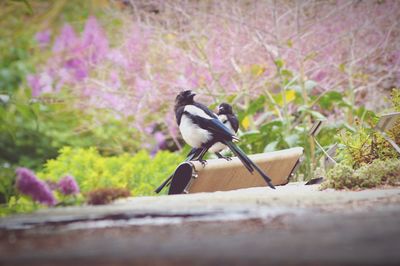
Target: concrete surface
column 292, row 225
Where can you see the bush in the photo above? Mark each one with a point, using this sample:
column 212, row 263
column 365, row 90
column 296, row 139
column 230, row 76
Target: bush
column 102, row 196
column 378, row 173
column 140, row 173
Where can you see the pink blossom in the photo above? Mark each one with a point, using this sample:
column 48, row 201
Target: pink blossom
column 118, row 58
column 94, row 40
column 27, row 183
column 67, row 40
column 77, row 68
column 43, row 37
column 160, row 139
column 41, row 83
column 68, row 186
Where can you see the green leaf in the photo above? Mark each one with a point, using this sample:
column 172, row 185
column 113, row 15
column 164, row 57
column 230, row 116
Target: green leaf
column 329, row 98
column 256, row 105
column 279, row 63
column 271, row 146
column 310, row 84
column 286, row 73
column 257, row 70
column 313, row 113
column 292, row 140
column 271, row 125
column 342, row 68
column 290, row 96
column 251, row 136
column 316, row 115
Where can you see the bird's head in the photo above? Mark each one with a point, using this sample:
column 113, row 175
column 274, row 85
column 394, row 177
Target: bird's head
column 185, row 97
column 225, row 109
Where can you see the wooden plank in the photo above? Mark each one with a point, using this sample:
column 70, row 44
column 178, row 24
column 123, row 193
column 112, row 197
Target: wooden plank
column 222, row 175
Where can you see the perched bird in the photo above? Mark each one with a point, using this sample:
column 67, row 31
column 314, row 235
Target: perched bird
column 226, row 116
column 201, row 128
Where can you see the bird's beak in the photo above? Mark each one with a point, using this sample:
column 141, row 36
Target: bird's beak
column 192, row 94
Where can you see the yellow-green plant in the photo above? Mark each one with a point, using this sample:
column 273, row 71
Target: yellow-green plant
column 363, row 145
column 140, row 173
column 377, row 173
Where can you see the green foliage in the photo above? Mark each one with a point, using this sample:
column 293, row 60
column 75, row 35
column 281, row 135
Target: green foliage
column 366, row 159
column 140, row 173
column 396, row 99
column 17, row 204
column 32, row 132
column 281, row 119
column 7, row 181
column 378, row 173
column 363, row 144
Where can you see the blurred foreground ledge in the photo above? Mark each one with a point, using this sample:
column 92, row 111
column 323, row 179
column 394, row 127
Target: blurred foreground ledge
column 250, row 202
column 292, row 225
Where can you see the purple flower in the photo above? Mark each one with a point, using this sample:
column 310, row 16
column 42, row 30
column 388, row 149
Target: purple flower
column 27, row 183
column 161, row 140
column 68, row 186
column 66, row 40
column 40, row 83
column 94, row 40
column 52, row 185
column 77, row 67
column 43, row 37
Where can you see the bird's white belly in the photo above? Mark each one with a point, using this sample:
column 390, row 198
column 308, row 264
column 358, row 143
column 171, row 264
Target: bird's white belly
column 193, row 134
column 217, row 147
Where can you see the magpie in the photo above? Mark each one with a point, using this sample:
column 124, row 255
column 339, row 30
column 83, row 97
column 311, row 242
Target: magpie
column 226, row 116
column 201, row 128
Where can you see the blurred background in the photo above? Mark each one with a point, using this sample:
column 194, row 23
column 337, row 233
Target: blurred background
column 87, row 87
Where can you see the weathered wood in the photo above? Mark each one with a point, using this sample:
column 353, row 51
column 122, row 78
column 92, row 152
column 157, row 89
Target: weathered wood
column 223, row 175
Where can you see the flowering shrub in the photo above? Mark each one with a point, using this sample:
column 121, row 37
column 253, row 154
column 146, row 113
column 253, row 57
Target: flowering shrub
column 27, row 183
column 139, row 173
column 102, row 196
column 230, row 50
column 68, row 186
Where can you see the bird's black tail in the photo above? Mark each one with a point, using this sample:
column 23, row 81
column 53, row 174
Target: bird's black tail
column 241, row 155
column 248, row 163
column 192, row 154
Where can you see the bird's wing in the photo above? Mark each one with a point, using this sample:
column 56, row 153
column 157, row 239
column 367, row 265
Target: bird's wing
column 205, row 109
column 234, row 122
column 214, row 126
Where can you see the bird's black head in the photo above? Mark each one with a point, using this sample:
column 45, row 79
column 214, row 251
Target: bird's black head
column 185, row 97
column 225, row 109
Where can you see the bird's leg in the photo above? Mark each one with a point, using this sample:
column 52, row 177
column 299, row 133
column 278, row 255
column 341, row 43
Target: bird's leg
column 191, row 156
column 200, row 158
column 220, row 156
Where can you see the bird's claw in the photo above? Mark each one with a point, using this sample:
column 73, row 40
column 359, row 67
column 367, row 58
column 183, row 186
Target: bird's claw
column 203, row 162
column 228, row 158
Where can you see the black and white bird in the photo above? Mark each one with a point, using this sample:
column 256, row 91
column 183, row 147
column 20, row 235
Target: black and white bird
column 201, row 128
column 226, row 116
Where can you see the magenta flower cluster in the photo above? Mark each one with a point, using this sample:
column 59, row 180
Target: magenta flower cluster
column 27, row 183
column 68, row 186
